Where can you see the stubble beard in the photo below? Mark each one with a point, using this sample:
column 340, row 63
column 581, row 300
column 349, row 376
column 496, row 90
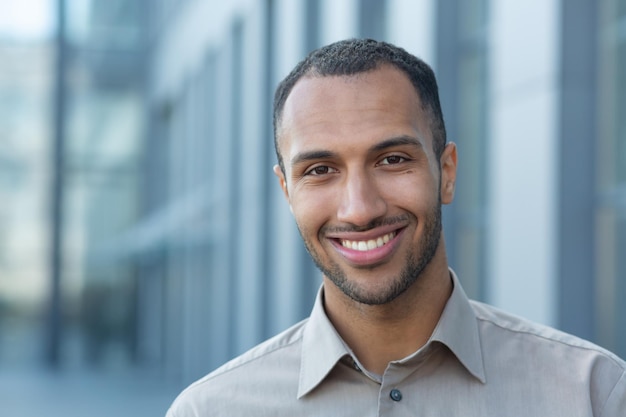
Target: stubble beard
column 417, row 259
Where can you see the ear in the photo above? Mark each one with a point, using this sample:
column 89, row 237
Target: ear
column 281, row 180
column 448, row 165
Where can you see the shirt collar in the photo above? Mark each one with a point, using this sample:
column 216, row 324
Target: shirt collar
column 458, row 330
column 322, row 346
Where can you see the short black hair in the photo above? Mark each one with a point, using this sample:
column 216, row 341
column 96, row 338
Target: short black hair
column 355, row 56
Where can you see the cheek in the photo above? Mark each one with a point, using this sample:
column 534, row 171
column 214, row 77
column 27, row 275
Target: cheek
column 311, row 211
column 411, row 191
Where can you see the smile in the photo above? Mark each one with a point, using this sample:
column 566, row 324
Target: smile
column 366, row 245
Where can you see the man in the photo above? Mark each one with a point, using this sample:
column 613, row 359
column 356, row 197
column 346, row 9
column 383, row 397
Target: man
column 364, row 165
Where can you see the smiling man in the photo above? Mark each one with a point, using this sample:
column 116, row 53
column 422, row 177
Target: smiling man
column 365, row 167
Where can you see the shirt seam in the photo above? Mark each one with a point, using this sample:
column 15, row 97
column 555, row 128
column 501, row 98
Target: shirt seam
column 591, row 348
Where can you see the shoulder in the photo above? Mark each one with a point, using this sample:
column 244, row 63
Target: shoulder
column 275, row 346
column 247, row 373
column 517, row 350
column 505, row 324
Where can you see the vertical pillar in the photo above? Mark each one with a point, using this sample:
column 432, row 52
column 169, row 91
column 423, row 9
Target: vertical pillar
column 523, row 158
column 54, row 319
column 577, row 169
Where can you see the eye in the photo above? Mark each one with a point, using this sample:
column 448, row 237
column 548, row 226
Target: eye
column 320, row 170
column 392, row 160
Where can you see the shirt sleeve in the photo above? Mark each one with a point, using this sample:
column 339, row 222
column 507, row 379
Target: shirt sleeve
column 615, row 405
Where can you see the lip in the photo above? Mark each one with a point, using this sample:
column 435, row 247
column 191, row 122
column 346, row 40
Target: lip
column 371, row 257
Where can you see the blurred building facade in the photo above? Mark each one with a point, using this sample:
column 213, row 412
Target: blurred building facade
column 185, row 253
column 25, row 81
column 538, row 225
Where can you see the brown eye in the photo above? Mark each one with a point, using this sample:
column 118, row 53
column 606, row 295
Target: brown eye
column 392, row 160
column 320, row 170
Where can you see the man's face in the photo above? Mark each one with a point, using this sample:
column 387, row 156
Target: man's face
column 362, row 180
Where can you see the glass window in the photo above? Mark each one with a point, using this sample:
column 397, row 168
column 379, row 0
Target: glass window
column 104, row 131
column 372, row 19
column 462, row 72
column 611, row 174
column 26, row 86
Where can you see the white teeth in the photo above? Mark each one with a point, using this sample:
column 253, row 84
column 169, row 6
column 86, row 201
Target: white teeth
column 365, row 245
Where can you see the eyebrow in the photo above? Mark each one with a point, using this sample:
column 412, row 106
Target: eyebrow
column 388, row 143
column 311, row 156
column 397, row 141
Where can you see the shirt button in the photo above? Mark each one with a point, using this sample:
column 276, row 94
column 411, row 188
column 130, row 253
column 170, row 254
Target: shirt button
column 395, row 394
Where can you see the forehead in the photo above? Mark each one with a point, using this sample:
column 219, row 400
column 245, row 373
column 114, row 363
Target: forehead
column 368, row 105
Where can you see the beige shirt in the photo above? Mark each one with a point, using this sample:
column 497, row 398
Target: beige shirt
column 479, row 361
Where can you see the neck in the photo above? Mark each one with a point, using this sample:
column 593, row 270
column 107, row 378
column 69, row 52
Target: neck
column 379, row 334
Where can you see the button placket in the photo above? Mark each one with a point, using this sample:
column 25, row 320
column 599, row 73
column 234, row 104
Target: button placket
column 391, row 392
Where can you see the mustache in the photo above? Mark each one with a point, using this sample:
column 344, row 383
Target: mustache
column 400, row 219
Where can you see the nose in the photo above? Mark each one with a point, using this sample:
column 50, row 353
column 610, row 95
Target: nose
column 361, row 201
